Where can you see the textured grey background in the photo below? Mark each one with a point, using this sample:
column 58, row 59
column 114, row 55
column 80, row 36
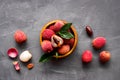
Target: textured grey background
column 30, row 15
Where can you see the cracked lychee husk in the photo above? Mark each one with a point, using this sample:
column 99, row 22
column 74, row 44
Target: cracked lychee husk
column 47, row 34
column 16, row 65
column 56, row 41
column 46, row 46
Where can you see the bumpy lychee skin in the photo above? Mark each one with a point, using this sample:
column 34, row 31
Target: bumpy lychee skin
column 46, row 46
column 69, row 41
column 64, row 49
column 47, row 33
column 20, row 36
column 98, row 42
column 57, row 26
column 104, row 56
column 87, row 56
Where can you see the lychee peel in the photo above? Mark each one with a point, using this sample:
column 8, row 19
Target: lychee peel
column 64, row 49
column 56, row 41
column 46, row 46
column 47, row 33
column 98, row 42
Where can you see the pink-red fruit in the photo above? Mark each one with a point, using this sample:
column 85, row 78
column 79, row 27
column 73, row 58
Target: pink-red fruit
column 69, row 41
column 47, row 46
column 20, row 36
column 57, row 26
column 64, row 49
column 104, row 56
column 87, row 56
column 47, row 34
column 98, row 42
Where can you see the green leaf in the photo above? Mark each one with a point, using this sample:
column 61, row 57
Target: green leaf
column 65, row 27
column 66, row 35
column 46, row 57
column 64, row 31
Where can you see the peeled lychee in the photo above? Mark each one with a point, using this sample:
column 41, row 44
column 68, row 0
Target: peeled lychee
column 20, row 36
column 87, row 56
column 57, row 26
column 98, row 42
column 64, row 49
column 47, row 33
column 104, row 56
column 69, row 41
column 47, row 46
column 25, row 56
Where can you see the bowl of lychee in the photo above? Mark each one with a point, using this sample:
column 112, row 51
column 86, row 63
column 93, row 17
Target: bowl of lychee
column 58, row 38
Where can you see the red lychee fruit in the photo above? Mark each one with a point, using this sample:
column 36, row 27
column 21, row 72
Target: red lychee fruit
column 69, row 41
column 57, row 26
column 46, row 46
column 52, row 27
column 104, row 56
column 47, row 33
column 87, row 56
column 98, row 42
column 20, row 36
column 64, row 49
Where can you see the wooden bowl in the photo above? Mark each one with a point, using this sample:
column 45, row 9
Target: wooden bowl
column 74, row 33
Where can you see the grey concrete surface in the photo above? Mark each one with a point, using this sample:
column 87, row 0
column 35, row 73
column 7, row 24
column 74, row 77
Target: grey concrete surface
column 30, row 15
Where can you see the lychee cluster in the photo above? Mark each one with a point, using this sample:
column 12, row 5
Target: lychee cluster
column 97, row 43
column 51, row 41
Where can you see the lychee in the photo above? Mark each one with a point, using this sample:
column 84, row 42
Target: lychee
column 20, row 36
column 56, row 41
column 64, row 49
column 47, row 33
column 69, row 41
column 104, row 56
column 98, row 42
column 57, row 26
column 47, row 46
column 87, row 56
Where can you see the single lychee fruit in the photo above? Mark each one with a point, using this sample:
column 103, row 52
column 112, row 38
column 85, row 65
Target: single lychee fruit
column 20, row 36
column 87, row 56
column 64, row 49
column 47, row 46
column 57, row 26
column 47, row 33
column 104, row 56
column 56, row 41
column 98, row 42
column 52, row 27
column 69, row 41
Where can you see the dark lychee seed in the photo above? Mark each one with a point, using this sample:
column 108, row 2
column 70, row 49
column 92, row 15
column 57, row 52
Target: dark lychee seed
column 89, row 30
